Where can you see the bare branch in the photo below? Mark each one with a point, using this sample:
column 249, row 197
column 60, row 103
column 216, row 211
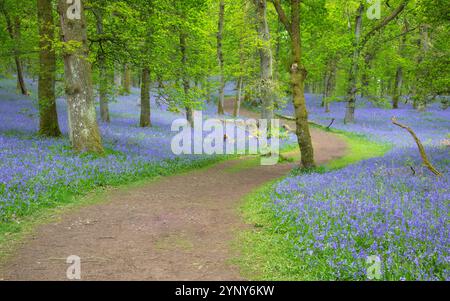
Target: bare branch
column 282, row 15
column 385, row 22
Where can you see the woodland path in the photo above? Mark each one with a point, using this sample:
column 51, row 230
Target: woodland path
column 175, row 228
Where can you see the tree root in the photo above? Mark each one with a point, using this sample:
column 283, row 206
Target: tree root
column 423, row 154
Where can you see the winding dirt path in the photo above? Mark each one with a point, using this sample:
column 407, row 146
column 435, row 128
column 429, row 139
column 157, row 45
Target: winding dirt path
column 176, row 228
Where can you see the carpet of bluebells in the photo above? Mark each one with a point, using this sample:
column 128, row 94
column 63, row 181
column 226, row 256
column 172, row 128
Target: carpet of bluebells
column 389, row 207
column 36, row 170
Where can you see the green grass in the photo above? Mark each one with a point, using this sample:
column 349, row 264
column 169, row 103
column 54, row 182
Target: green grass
column 360, row 148
column 265, row 251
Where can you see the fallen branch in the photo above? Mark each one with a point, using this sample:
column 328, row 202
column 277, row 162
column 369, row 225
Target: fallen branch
column 413, row 170
column 332, row 121
column 291, row 118
column 423, row 154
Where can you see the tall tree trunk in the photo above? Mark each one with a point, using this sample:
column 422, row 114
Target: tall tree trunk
column 220, row 109
column 266, row 62
column 353, row 75
column 397, row 87
column 185, row 78
column 238, row 99
column 325, row 85
column 145, row 98
column 424, row 42
column 103, row 82
column 127, row 79
column 14, row 34
column 117, row 79
column 277, row 59
column 298, row 77
column 330, row 83
column 83, row 128
column 48, row 116
column 365, row 78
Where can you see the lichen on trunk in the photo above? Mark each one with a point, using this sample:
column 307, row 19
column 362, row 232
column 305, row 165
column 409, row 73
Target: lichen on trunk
column 83, row 128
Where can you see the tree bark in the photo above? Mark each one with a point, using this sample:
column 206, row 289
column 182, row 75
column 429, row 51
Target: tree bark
column 117, row 79
column 398, row 85
column 127, row 79
column 103, row 81
column 330, row 83
column 83, row 128
column 365, row 78
column 48, row 116
column 298, row 76
column 424, row 42
column 238, row 98
column 145, row 98
column 220, row 109
column 185, row 78
column 14, row 33
column 266, row 62
column 353, row 74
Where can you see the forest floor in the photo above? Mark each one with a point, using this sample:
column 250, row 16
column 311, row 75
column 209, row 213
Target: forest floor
column 175, row 228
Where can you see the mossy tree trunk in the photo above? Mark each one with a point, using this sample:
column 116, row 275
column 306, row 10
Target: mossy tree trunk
column 298, row 77
column 48, row 116
column 83, row 128
column 103, row 74
column 127, row 79
column 354, row 69
column 145, row 98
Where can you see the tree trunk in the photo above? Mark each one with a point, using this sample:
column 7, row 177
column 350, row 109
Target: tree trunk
column 330, row 83
column 353, row 76
column 325, row 85
column 266, row 62
column 48, row 116
column 103, row 81
column 420, row 100
column 83, row 128
column 397, row 87
column 365, row 78
column 14, row 33
column 399, row 73
column 238, row 99
column 220, row 109
column 127, row 79
column 298, row 77
column 185, row 79
column 145, row 98
column 117, row 79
